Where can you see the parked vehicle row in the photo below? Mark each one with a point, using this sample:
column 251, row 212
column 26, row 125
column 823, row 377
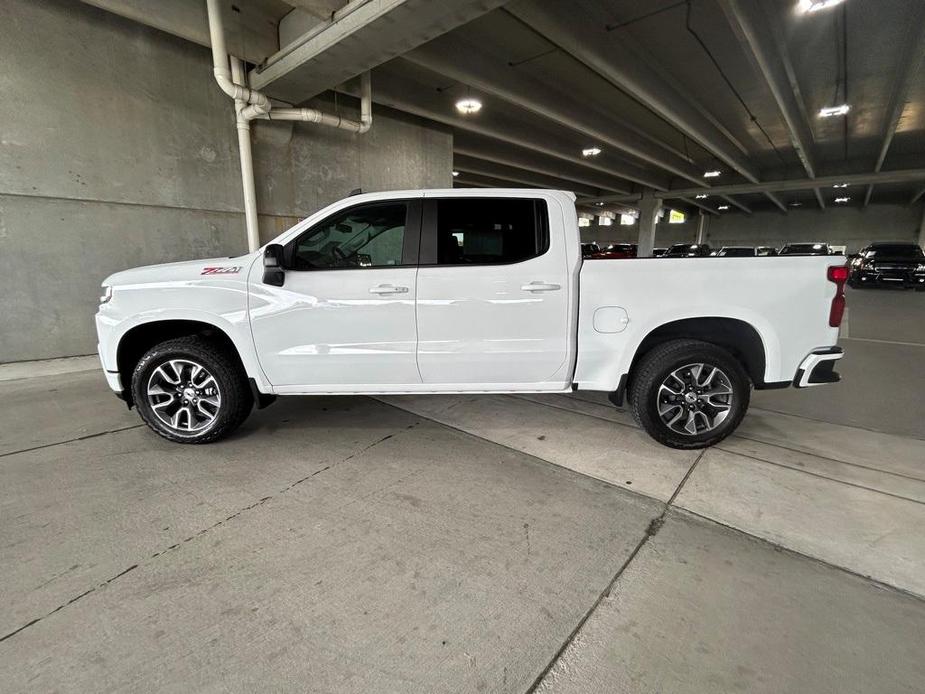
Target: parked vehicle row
column 612, row 251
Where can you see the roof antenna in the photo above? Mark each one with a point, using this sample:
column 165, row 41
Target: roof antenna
column 355, row 191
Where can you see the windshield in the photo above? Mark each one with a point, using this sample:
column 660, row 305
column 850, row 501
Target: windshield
column 897, row 250
column 805, row 249
column 740, row 252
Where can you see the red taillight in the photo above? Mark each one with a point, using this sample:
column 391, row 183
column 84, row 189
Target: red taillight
column 839, row 275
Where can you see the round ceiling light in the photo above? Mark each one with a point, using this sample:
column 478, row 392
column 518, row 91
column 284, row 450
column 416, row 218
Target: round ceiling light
column 468, row 106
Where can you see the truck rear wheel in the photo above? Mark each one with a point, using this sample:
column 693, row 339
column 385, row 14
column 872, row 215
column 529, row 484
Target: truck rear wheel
column 189, row 390
column 689, row 393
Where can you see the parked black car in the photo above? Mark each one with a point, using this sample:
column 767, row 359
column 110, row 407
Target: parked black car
column 881, row 264
column 589, row 249
column 805, row 249
column 687, row 250
column 735, row 252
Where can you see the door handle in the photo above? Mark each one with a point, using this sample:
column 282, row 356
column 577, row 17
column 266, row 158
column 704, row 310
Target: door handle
column 388, row 289
column 541, row 287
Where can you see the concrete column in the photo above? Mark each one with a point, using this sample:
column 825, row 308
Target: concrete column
column 701, row 228
column 922, row 227
column 649, row 206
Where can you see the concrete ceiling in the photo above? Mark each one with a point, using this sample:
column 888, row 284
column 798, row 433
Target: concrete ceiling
column 666, row 89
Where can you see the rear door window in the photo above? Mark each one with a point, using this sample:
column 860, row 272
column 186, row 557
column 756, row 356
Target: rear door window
column 484, row 231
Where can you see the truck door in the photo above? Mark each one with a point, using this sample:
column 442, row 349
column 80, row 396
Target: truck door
column 344, row 317
column 493, row 293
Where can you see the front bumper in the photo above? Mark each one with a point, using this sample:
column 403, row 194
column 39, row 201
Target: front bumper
column 908, row 277
column 112, row 377
column 818, row 368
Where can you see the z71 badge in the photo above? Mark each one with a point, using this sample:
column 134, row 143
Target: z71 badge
column 221, row 270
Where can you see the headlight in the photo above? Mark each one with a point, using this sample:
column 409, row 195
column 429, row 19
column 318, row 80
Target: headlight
column 920, row 267
column 107, row 294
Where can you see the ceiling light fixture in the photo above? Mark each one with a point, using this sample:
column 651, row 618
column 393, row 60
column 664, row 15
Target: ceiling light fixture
column 796, row 203
column 723, row 207
column 830, row 111
column 455, row 174
column 702, row 196
column 840, row 185
column 711, row 174
column 591, row 152
column 468, row 106
column 816, row 5
column 842, row 200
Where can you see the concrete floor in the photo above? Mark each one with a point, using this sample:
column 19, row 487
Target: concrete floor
column 462, row 544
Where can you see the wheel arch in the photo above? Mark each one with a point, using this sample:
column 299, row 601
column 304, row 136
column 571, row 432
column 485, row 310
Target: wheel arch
column 738, row 337
column 139, row 339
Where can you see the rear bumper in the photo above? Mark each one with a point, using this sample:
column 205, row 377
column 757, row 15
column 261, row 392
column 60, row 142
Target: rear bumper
column 818, row 368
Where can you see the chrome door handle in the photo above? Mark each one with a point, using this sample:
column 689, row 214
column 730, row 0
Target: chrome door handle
column 541, row 287
column 388, row 289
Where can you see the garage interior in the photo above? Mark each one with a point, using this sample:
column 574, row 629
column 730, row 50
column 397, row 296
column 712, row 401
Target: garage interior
column 462, row 542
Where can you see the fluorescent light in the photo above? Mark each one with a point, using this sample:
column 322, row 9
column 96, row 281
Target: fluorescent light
column 591, row 152
column 840, row 185
column 599, row 204
column 455, row 174
column 795, row 203
column 816, row 5
column 844, row 199
column 723, row 207
column 468, row 106
column 711, row 174
column 702, row 196
column 830, row 111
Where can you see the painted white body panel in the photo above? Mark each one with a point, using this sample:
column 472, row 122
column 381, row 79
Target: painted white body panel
column 471, row 328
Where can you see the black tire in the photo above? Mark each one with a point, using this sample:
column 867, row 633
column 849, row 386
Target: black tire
column 232, row 392
column 658, row 365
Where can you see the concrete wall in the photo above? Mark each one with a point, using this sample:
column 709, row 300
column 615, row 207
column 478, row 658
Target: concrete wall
column 118, row 150
column 842, row 226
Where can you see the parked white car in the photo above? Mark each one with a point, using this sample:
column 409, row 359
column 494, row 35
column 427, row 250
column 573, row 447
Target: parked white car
column 464, row 291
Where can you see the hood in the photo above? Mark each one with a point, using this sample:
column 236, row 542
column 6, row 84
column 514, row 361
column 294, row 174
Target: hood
column 182, row 271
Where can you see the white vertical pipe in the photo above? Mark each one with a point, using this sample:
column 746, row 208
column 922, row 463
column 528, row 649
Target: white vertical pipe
column 247, row 163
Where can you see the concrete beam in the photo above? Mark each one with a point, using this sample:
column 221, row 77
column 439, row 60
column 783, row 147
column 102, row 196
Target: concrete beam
column 735, row 203
column 411, row 97
column 471, row 66
column 477, row 147
column 356, row 39
column 902, row 176
column 760, row 37
column 819, row 199
column 909, row 67
column 699, row 205
column 613, row 58
column 252, row 26
column 470, row 165
column 915, row 198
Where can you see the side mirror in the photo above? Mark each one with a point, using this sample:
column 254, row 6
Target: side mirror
column 273, row 272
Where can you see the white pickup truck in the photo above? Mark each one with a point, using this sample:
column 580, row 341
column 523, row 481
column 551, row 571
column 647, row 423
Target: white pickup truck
column 464, row 291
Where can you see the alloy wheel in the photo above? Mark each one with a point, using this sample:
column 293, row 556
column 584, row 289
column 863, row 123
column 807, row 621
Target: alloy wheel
column 184, row 396
column 695, row 399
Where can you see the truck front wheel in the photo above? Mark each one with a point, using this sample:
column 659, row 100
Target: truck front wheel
column 189, row 390
column 689, row 393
